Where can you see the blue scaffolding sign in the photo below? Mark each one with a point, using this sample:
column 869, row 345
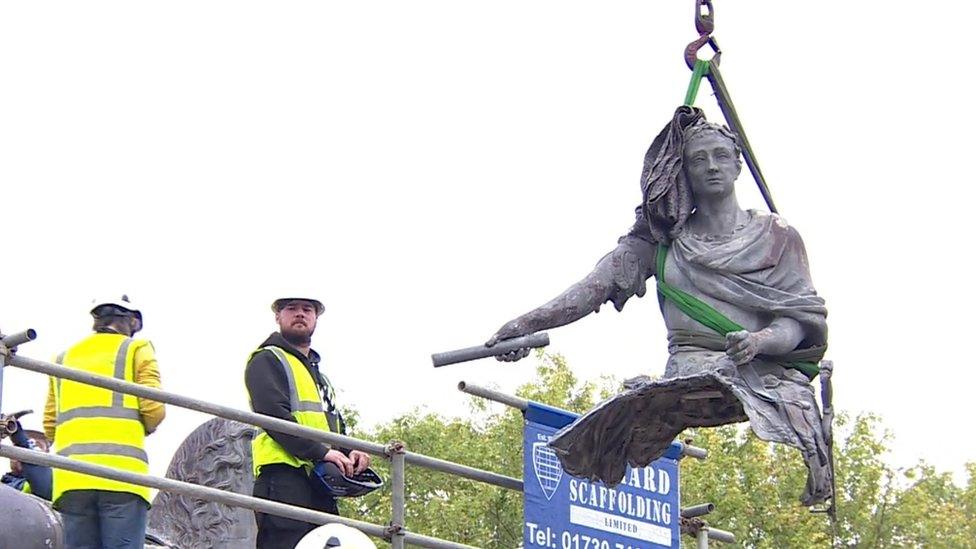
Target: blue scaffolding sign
column 565, row 512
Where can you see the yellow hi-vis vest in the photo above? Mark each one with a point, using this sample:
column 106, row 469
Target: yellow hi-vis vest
column 96, row 425
column 306, row 408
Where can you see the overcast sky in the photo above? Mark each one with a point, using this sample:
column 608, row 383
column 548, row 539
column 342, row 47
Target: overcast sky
column 433, row 169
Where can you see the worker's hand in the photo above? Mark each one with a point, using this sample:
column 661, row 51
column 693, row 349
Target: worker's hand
column 20, row 438
column 742, row 346
column 508, row 331
column 360, row 460
column 345, row 464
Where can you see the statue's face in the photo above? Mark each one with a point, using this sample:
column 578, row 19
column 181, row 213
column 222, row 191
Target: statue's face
column 297, row 320
column 711, row 165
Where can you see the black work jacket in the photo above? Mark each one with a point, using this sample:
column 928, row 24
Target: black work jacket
column 267, row 387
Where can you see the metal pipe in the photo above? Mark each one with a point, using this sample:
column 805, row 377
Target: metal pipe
column 487, row 477
column 697, row 510
column 213, row 494
column 19, row 338
column 398, row 522
column 263, row 421
column 694, row 451
column 702, row 538
column 10, row 342
column 720, row 535
column 491, row 394
column 481, row 351
column 159, row 395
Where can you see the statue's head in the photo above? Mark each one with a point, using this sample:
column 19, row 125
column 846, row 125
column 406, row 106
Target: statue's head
column 710, row 160
column 690, row 157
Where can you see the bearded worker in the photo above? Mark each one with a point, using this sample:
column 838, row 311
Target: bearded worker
column 746, row 328
column 284, row 381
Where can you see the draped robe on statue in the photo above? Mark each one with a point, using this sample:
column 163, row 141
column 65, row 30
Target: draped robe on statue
column 761, row 268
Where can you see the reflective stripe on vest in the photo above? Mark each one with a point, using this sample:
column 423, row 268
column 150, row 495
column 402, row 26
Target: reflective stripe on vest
column 96, row 425
column 306, row 408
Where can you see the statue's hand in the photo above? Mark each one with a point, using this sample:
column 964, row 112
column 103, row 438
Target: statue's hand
column 508, row 331
column 742, row 346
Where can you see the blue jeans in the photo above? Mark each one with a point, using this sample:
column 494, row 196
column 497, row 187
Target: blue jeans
column 99, row 519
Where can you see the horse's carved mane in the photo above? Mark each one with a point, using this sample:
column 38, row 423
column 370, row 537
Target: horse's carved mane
column 216, row 454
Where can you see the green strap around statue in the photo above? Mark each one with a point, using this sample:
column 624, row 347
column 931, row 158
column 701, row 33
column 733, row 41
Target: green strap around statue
column 707, row 315
column 699, row 72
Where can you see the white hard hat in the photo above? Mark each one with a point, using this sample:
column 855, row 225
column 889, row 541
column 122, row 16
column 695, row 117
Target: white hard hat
column 280, row 302
column 337, row 536
column 121, row 302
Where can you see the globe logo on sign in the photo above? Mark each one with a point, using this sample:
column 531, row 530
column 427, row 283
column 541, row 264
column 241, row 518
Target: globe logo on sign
column 547, row 468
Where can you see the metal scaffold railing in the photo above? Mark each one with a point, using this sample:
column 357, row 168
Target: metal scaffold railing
column 395, row 532
column 395, row 451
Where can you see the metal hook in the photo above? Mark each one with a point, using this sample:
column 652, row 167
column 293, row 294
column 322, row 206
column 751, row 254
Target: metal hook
column 705, row 25
column 691, row 50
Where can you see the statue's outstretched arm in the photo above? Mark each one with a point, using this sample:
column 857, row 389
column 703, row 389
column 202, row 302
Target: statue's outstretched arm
column 617, row 277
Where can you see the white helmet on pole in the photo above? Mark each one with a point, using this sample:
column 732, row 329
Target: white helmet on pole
column 335, row 536
column 115, row 305
column 280, row 302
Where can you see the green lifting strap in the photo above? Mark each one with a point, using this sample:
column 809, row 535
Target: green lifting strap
column 701, row 69
column 707, row 315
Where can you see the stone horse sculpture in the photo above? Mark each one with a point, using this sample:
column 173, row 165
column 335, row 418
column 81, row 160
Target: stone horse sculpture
column 216, row 454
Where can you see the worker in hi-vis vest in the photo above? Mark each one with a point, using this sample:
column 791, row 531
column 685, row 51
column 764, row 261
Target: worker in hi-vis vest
column 283, row 380
column 102, row 427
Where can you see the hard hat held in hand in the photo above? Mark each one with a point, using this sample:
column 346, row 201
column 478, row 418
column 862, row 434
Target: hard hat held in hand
column 333, row 482
column 335, row 535
column 283, row 299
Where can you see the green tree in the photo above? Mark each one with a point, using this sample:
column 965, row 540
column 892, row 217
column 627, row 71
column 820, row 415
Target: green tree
column 931, row 512
column 754, row 485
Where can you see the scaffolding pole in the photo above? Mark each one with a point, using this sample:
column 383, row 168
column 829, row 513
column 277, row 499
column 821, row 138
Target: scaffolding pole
column 265, row 422
column 398, row 456
column 219, row 496
column 397, row 479
column 11, row 342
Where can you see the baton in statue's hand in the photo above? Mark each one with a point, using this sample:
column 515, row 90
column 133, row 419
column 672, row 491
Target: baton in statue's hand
column 483, row 351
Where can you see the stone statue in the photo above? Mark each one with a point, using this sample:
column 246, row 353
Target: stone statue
column 746, row 328
column 216, row 454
